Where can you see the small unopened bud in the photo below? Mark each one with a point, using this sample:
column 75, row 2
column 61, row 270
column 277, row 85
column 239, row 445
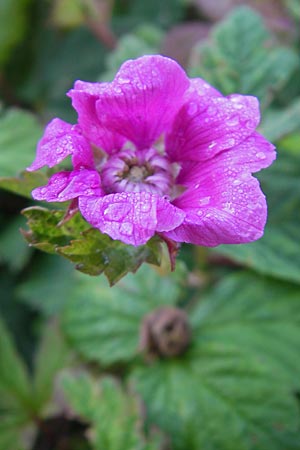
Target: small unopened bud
column 165, row 333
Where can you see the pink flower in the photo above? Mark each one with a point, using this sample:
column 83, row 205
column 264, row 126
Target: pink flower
column 157, row 152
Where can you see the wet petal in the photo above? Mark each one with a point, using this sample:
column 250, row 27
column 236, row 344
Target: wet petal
column 252, row 155
column 63, row 186
column 131, row 218
column 60, row 140
column 225, row 206
column 84, row 97
column 201, row 88
column 143, row 99
column 207, row 125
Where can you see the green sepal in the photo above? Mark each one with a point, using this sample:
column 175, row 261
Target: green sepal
column 92, row 252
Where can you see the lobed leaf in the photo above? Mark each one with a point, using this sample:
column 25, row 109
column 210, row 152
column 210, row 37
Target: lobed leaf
column 15, row 394
column 14, row 382
column 24, row 183
column 237, row 382
column 240, row 57
column 277, row 124
column 52, row 356
column 103, row 323
column 19, row 133
column 113, row 414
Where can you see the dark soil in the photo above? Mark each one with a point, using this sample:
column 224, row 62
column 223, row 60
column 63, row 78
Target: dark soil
column 59, row 433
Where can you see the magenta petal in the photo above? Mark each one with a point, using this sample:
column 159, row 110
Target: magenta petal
column 168, row 216
column 227, row 207
column 60, row 140
column 63, row 186
column 131, row 218
column 252, row 155
column 143, row 99
column 84, row 97
column 207, row 125
column 200, row 87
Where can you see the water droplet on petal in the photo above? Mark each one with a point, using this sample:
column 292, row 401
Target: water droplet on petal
column 233, row 121
column 126, row 228
column 192, row 108
column 236, row 182
column 117, row 89
column 116, row 211
column 204, row 201
column 249, row 124
column 145, row 207
column 211, row 110
column 236, row 103
column 260, row 155
column 230, row 142
column 123, row 80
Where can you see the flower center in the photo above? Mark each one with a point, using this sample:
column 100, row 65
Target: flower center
column 136, row 171
column 137, row 174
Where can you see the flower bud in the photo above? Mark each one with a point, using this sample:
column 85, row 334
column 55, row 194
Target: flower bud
column 165, row 333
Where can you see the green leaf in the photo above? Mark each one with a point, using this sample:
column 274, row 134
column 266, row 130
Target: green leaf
column 236, row 383
column 14, row 383
column 279, row 123
column 293, row 6
column 52, row 356
column 68, row 13
column 164, row 13
column 240, row 57
column 114, row 415
column 46, row 233
column 145, row 40
column 13, row 18
column 13, row 249
column 94, row 253
column 56, row 66
column 48, row 286
column 15, row 394
column 277, row 253
column 291, row 143
column 19, row 133
column 11, row 433
column 103, row 323
column 15, row 315
column 24, row 183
